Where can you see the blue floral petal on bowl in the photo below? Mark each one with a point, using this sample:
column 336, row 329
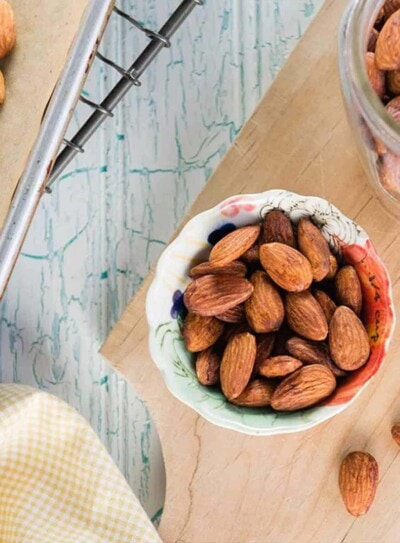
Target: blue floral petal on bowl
column 178, row 309
column 219, row 233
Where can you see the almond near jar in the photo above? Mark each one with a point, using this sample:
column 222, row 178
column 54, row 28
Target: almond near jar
column 377, row 132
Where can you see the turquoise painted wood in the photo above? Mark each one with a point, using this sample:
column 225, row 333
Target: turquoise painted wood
column 111, row 213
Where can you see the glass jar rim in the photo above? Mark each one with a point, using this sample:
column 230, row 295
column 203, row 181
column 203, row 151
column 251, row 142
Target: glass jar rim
column 353, row 38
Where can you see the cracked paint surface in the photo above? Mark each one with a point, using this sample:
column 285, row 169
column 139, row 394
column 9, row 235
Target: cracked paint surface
column 114, row 208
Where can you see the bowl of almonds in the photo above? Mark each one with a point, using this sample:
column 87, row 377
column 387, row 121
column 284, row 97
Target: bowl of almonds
column 269, row 313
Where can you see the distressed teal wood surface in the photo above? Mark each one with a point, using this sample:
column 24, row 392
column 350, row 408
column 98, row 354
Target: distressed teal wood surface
column 113, row 210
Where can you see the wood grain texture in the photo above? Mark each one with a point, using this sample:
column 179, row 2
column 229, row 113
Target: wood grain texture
column 228, row 488
column 31, row 72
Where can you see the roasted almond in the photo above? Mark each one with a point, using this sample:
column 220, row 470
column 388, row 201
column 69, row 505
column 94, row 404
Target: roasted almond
column 358, row 481
column 396, row 432
column 7, row 29
column 233, row 330
column 211, row 295
column 327, row 304
column 278, row 366
column 286, row 266
column 206, row 268
column 348, row 340
column 237, row 365
column 305, row 316
column 314, row 247
column 252, row 256
column 389, row 7
column 234, row 315
column 258, row 393
column 393, row 82
column 312, row 353
column 207, row 367
column 234, row 245
column 303, row 388
column 333, row 267
column 387, row 50
column 265, row 344
column 375, row 75
column 199, row 332
column 372, row 39
column 348, row 288
column 264, row 309
column 276, row 227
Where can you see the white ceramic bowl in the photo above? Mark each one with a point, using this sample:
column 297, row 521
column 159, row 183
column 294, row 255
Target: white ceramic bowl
column 165, row 310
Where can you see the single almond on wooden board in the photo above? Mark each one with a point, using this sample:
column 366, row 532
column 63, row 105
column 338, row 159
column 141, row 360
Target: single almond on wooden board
column 234, row 315
column 211, row 295
column 393, row 82
column 252, row 256
column 303, row 388
column 286, row 266
column 314, row 247
column 199, row 332
column 389, row 7
column 358, row 481
column 348, row 288
column 372, row 39
column 305, row 316
column 396, row 433
column 264, row 309
column 206, row 268
column 327, row 304
column 258, row 393
column 278, row 366
column 375, row 75
column 312, row 353
column 333, row 267
column 234, row 245
column 2, row 88
column 387, row 50
column 237, row 364
column 7, row 29
column 348, row 340
column 208, row 364
column 276, row 227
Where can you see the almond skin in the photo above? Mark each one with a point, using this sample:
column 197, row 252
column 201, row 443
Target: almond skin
column 286, row 266
column 305, row 316
column 375, row 75
column 387, row 50
column 234, row 315
column 333, row 267
column 327, row 304
column 207, row 367
column 258, row 393
column 303, row 388
column 396, row 433
column 237, row 365
column 264, row 309
column 373, row 36
column 358, row 481
column 265, row 344
column 252, row 256
column 393, row 82
column 312, row 353
column 276, row 227
column 278, row 366
column 7, row 29
column 348, row 340
column 206, row 268
column 389, row 7
column 314, row 247
column 211, row 295
column 348, row 288
column 233, row 330
column 199, row 333
column 234, row 245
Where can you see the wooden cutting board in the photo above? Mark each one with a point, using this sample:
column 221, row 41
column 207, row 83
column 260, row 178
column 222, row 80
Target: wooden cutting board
column 224, row 487
column 45, row 31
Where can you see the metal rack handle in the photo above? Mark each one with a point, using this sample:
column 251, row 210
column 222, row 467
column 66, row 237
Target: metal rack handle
column 130, row 78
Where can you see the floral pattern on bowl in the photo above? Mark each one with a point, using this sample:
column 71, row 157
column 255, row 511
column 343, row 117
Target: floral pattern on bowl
column 165, row 309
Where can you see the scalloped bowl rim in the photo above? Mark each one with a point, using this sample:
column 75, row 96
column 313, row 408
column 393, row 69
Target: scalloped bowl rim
column 163, row 364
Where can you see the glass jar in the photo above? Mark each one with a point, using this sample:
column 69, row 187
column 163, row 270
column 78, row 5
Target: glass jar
column 377, row 133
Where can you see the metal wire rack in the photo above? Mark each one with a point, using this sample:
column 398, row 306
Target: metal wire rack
column 43, row 168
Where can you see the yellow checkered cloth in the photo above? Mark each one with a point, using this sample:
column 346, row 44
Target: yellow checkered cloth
column 57, row 482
